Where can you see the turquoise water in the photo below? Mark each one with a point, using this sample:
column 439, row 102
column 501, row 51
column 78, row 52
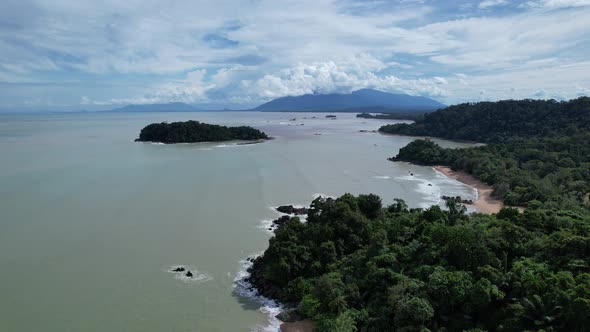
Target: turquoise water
column 91, row 222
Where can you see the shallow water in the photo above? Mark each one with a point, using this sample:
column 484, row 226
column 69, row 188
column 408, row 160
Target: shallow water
column 91, row 222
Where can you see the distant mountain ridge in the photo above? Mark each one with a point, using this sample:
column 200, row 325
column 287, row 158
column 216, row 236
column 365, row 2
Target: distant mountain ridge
column 168, row 107
column 359, row 99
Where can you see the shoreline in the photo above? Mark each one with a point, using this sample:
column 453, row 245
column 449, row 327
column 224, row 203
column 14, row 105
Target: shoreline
column 484, row 203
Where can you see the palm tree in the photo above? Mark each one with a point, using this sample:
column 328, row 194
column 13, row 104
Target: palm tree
column 540, row 314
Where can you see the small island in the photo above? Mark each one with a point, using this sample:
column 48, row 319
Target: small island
column 195, row 131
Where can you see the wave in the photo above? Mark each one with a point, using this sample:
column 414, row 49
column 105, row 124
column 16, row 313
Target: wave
column 427, row 188
column 456, row 187
column 226, row 145
column 267, row 306
column 267, row 225
column 382, row 177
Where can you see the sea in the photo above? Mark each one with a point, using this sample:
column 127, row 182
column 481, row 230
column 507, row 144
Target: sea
column 92, row 223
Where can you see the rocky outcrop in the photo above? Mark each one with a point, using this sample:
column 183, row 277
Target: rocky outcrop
column 289, row 316
column 457, row 199
column 290, row 209
column 260, row 283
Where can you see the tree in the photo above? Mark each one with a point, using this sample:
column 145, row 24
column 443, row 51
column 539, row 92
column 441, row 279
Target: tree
column 413, row 311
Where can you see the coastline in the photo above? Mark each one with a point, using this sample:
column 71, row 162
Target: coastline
column 475, row 143
column 484, row 203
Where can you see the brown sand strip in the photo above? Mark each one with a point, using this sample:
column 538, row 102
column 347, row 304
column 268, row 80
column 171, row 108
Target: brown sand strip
column 305, row 325
column 484, row 203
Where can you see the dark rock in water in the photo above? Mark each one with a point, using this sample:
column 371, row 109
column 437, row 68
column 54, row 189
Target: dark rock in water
column 330, row 116
column 289, row 316
column 412, row 174
column 179, row 269
column 189, row 274
column 281, row 220
column 457, row 199
column 290, row 209
column 430, row 184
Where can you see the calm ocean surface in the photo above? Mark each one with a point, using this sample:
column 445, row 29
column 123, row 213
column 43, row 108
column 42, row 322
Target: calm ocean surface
column 91, row 222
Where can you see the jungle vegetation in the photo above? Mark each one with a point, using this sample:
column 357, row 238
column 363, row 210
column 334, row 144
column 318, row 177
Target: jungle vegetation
column 194, row 131
column 356, row 265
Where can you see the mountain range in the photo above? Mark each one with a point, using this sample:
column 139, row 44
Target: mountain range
column 357, row 100
column 364, row 100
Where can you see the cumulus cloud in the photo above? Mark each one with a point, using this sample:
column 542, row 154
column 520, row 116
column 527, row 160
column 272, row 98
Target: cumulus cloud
column 329, row 77
column 85, row 52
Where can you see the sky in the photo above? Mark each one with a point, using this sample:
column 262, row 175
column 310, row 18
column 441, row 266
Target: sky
column 92, row 55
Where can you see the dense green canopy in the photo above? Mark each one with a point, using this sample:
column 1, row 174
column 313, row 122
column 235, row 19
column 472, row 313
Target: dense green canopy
column 502, row 120
column 355, row 266
column 553, row 170
column 538, row 150
column 194, row 131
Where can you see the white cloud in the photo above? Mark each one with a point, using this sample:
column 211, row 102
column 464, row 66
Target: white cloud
column 556, row 4
column 146, row 51
column 491, row 3
column 343, row 77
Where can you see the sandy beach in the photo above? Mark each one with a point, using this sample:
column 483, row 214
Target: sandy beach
column 305, row 325
column 484, row 203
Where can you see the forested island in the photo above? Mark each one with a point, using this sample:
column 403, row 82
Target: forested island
column 358, row 266
column 195, row 131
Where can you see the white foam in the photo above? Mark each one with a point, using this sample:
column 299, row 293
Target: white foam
column 198, row 277
column 267, row 225
column 269, row 307
column 455, row 187
column 427, row 188
column 382, row 177
column 205, row 149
